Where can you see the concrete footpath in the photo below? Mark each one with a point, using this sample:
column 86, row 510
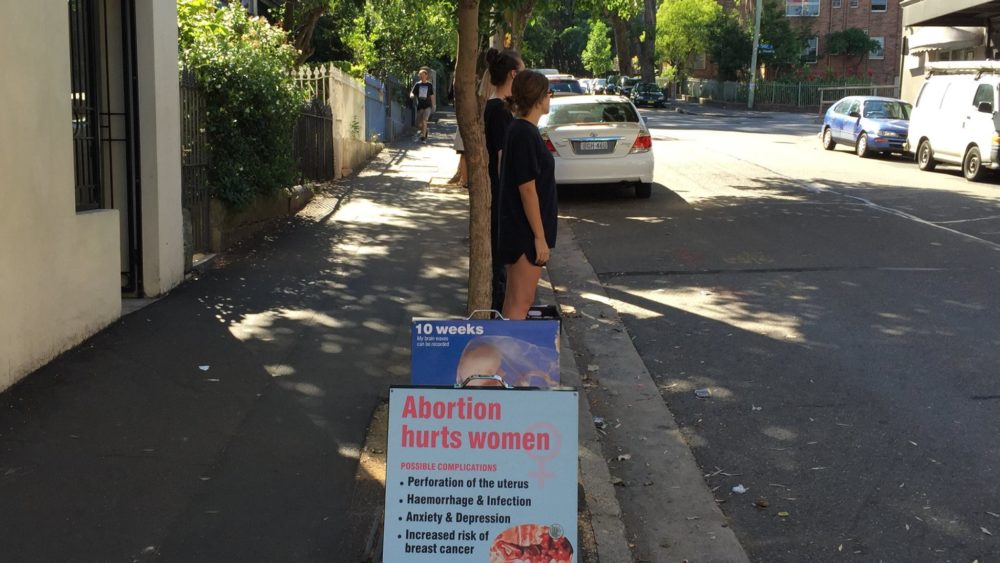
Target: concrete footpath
column 226, row 421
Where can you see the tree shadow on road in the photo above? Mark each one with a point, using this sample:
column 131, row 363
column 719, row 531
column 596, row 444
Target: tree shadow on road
column 848, row 349
column 225, row 421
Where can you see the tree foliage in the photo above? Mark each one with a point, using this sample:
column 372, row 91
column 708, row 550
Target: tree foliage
column 684, row 29
column 852, row 43
column 597, row 55
column 788, row 43
column 730, row 46
column 556, row 38
column 399, row 36
column 330, row 36
column 619, row 14
column 244, row 65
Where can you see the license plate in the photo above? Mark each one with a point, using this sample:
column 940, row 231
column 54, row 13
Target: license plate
column 593, row 146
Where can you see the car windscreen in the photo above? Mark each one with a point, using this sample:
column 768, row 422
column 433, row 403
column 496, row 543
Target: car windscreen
column 630, row 81
column 565, row 86
column 595, row 112
column 883, row 109
column 647, row 88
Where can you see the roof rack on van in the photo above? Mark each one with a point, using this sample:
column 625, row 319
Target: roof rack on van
column 964, row 67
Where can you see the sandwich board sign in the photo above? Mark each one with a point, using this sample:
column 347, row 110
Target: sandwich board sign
column 481, row 474
column 449, row 352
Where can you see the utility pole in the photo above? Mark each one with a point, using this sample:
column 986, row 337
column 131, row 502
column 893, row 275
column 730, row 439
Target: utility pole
column 753, row 59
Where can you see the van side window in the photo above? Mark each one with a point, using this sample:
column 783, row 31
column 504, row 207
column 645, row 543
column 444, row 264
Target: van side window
column 983, row 94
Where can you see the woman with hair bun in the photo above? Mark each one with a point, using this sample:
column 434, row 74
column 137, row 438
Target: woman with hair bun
column 502, row 67
column 528, row 203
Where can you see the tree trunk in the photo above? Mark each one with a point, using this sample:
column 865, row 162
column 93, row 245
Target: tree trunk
column 622, row 44
column 470, row 126
column 303, row 36
column 517, row 18
column 300, row 36
column 648, row 46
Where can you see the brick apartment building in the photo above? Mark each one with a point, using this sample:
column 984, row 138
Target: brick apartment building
column 880, row 19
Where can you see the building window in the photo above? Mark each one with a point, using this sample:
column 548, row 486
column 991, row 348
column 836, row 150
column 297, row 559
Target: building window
column 853, row 3
column 956, row 55
column 699, row 61
column 85, row 104
column 837, row 3
column 880, row 5
column 808, row 8
column 811, row 50
column 878, row 53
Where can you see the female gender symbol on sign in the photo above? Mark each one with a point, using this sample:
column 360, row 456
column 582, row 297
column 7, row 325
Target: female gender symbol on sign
column 542, row 457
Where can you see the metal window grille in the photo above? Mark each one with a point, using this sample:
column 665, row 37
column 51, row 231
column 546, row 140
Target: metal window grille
column 85, row 104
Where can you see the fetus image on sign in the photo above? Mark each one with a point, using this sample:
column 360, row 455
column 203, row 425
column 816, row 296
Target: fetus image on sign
column 531, row 543
column 519, row 363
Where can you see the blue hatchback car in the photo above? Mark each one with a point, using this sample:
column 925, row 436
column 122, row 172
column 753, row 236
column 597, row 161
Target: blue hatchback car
column 869, row 124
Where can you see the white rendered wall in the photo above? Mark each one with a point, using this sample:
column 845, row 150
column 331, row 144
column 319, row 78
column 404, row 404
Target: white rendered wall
column 59, row 269
column 159, row 146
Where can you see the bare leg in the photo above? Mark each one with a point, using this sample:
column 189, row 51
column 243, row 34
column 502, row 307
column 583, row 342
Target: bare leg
column 522, row 280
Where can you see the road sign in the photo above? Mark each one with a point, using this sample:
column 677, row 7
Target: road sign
column 448, row 352
column 481, row 475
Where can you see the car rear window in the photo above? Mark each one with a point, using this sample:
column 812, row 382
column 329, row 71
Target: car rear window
column 881, row 109
column 596, row 112
column 558, row 85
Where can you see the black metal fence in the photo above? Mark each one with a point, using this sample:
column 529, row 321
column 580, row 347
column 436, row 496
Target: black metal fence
column 314, row 142
column 194, row 161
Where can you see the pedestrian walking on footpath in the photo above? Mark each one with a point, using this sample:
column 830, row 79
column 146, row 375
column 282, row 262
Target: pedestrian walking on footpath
column 502, row 67
column 528, row 203
column 422, row 95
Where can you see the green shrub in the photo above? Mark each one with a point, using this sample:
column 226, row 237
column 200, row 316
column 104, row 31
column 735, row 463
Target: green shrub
column 244, row 65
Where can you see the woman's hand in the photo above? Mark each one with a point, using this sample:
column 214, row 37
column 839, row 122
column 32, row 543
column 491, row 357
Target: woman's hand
column 541, row 252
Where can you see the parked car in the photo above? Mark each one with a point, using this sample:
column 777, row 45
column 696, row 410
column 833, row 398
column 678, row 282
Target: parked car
column 611, row 85
column 585, row 84
column 626, row 84
column 599, row 140
column 955, row 118
column 598, row 85
column 868, row 124
column 564, row 85
column 648, row 94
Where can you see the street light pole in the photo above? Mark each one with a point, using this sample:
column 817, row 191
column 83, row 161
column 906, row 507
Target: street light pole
column 753, row 59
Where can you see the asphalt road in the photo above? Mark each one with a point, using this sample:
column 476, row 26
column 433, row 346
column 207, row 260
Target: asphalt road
column 843, row 314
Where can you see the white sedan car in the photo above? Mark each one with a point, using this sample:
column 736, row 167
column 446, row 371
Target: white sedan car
column 599, row 140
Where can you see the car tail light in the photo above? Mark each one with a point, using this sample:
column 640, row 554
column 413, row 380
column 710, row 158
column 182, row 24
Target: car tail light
column 643, row 143
column 550, row 146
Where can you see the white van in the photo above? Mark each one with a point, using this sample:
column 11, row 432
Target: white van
column 955, row 118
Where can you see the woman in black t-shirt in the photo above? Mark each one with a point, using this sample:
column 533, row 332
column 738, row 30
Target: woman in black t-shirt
column 528, row 206
column 503, row 67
